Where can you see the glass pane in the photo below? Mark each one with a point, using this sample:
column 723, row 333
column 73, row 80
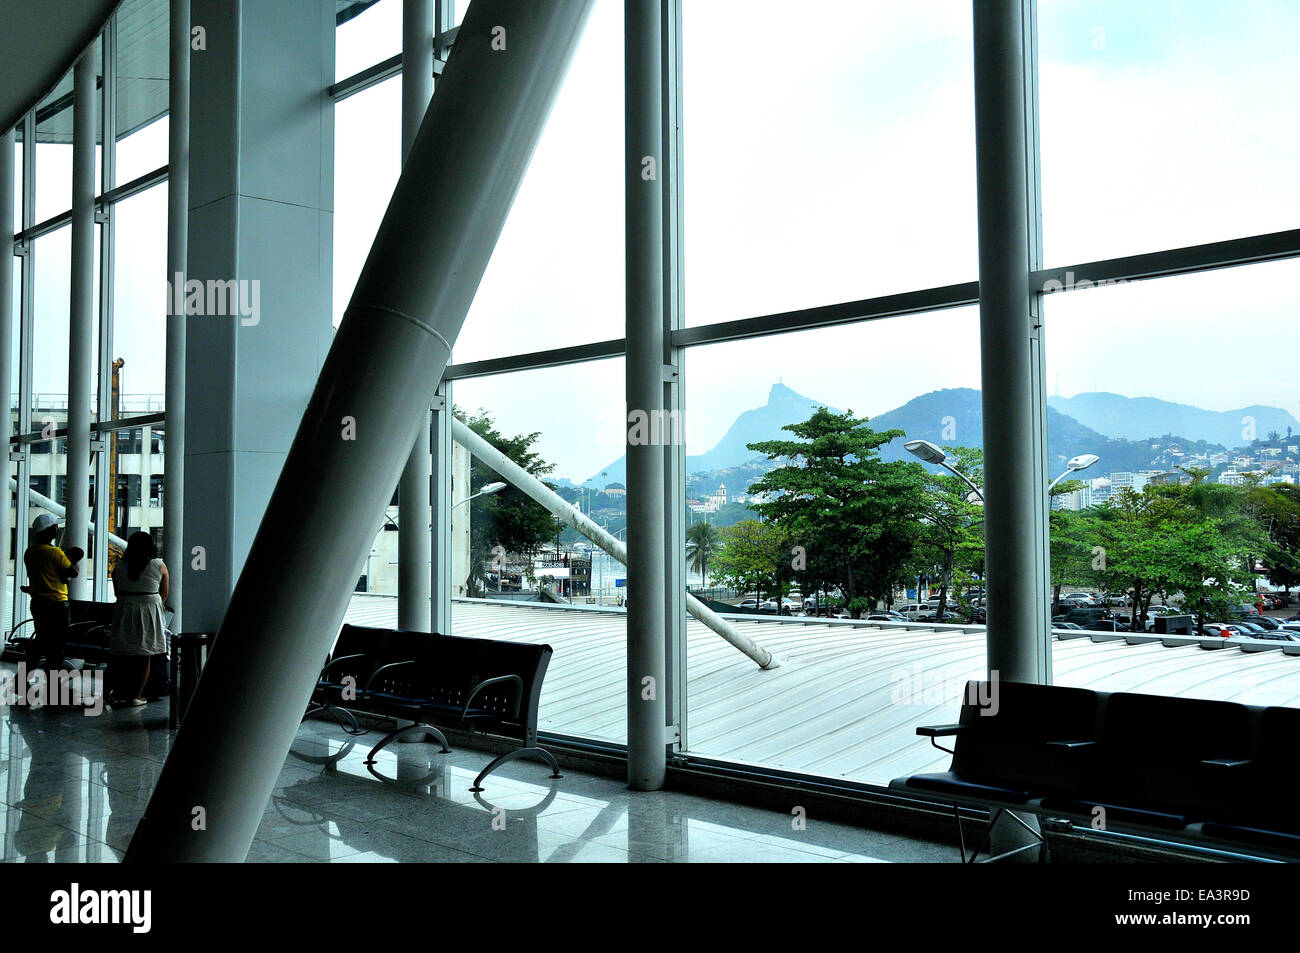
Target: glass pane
column 858, row 554
column 1163, row 124
column 1197, row 476
column 368, row 38
column 566, row 425
column 142, row 94
column 139, row 310
column 136, row 472
column 367, row 161
column 556, row 275
column 827, row 170
column 54, row 122
column 49, row 383
column 18, row 185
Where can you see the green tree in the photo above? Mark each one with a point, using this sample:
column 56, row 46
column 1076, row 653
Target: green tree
column 751, row 558
column 1071, row 551
column 851, row 519
column 509, row 519
column 952, row 535
column 701, row 543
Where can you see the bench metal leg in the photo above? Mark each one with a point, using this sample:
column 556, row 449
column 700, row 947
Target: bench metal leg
column 1040, row 843
column 513, row 756
column 397, row 733
column 338, row 714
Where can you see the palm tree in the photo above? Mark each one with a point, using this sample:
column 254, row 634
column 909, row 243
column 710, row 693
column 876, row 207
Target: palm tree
column 701, row 543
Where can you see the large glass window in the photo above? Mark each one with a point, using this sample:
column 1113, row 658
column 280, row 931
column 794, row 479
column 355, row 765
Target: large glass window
column 54, row 122
column 367, row 162
column 1162, row 123
column 566, row 426
column 142, row 87
column 1191, row 509
column 371, row 34
column 826, row 170
column 140, row 302
column 834, row 520
column 556, row 275
column 49, row 382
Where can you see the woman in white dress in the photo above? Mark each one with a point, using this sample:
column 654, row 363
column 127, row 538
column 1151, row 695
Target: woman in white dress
column 140, row 583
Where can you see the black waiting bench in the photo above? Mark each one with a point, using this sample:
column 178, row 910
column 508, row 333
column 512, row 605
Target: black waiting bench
column 87, row 632
column 482, row 685
column 1208, row 773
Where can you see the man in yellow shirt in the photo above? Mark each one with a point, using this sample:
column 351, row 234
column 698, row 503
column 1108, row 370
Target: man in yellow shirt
column 48, row 572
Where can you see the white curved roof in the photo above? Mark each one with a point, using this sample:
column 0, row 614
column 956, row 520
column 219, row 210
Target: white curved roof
column 848, row 697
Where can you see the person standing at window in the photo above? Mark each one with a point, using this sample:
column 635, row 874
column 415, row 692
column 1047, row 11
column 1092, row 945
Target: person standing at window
column 140, row 582
column 48, row 570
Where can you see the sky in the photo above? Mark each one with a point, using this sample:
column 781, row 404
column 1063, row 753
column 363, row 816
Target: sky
column 829, row 160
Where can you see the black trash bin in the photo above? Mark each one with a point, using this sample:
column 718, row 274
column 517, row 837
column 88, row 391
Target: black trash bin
column 189, row 652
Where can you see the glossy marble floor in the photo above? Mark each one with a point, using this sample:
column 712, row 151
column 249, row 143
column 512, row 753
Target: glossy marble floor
column 74, row 787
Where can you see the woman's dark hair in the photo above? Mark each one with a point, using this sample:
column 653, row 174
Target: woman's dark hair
column 140, row 549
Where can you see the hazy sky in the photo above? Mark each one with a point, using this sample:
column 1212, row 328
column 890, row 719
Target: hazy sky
column 831, row 157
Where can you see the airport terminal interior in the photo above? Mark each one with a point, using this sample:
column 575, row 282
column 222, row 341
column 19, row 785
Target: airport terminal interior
column 608, row 431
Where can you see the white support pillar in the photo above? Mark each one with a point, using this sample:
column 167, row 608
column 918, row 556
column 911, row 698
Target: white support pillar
column 7, row 320
column 1015, row 477
column 646, row 567
column 1011, row 346
column 81, row 316
column 178, row 225
column 414, row 549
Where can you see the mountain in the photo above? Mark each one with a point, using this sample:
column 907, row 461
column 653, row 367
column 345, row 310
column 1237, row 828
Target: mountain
column 1136, row 418
column 954, row 417
column 783, row 407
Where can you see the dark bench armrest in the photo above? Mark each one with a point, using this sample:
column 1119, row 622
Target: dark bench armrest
column 381, row 670
column 1071, row 745
column 1227, row 762
column 14, row 630
column 938, row 731
column 341, row 658
column 514, row 679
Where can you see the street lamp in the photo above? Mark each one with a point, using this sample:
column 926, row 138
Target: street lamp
column 1073, row 465
column 486, row 491
column 929, row 453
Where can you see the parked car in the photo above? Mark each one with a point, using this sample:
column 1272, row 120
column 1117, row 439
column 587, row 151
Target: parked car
column 1221, row 630
column 747, row 604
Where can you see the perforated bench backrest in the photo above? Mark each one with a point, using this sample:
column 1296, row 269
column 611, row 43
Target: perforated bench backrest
column 462, row 663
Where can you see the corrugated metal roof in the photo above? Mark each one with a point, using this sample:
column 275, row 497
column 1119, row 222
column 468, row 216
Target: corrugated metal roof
column 848, row 697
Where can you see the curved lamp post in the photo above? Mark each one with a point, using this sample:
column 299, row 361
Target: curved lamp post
column 1073, row 465
column 486, row 491
column 929, row 453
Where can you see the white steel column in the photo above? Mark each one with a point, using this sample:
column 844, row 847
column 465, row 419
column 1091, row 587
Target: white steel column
column 1015, row 477
column 413, row 543
column 7, row 319
column 81, row 328
column 178, row 224
column 646, row 569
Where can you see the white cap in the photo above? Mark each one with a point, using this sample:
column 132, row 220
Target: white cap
column 44, row 522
